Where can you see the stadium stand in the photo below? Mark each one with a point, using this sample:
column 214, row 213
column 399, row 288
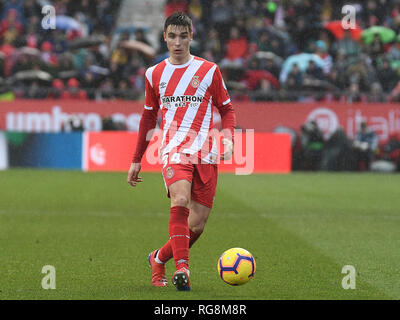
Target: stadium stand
column 264, row 48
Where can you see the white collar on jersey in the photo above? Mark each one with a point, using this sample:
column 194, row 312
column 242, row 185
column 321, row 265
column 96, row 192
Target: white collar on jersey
column 179, row 65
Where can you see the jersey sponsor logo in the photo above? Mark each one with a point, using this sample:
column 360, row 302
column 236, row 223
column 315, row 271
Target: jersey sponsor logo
column 163, row 85
column 181, row 101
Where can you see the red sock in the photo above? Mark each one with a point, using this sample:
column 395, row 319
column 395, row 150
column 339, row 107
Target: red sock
column 179, row 235
column 165, row 253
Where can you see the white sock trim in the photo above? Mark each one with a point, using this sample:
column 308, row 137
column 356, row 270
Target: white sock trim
column 156, row 258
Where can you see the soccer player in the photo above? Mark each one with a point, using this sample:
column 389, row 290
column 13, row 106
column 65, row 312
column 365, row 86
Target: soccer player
column 185, row 88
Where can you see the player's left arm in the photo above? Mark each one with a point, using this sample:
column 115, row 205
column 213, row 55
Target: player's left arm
column 228, row 118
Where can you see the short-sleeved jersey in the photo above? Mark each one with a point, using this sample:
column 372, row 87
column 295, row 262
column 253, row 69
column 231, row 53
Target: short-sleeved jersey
column 186, row 93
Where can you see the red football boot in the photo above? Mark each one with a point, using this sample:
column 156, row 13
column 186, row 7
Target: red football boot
column 157, row 271
column 181, row 280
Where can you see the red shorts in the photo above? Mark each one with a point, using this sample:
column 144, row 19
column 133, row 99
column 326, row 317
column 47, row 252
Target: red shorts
column 202, row 176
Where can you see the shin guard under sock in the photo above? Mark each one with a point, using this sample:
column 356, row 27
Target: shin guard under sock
column 179, row 235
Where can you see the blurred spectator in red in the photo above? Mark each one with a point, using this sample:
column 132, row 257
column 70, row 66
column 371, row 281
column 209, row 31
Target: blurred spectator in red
column 260, row 83
column 236, row 50
column 56, row 90
column 73, row 91
column 10, row 27
column 175, row 5
column 48, row 56
column 13, row 5
column 31, row 37
column 7, row 49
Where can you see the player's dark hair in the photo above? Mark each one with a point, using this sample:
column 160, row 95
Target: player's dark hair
column 178, row 19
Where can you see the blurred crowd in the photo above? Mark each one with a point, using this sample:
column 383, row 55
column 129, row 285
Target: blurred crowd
column 254, row 41
column 268, row 50
column 312, row 150
column 70, row 59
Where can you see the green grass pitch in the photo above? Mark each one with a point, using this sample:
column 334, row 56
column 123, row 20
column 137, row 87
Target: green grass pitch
column 302, row 228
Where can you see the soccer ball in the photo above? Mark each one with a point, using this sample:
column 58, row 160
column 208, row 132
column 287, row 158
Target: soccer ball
column 236, row 266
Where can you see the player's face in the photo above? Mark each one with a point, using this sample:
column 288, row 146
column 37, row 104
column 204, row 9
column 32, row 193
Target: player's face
column 178, row 42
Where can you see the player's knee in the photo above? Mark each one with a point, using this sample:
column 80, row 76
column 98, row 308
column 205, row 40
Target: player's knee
column 180, row 200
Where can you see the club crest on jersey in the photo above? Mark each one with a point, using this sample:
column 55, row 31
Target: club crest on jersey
column 195, row 81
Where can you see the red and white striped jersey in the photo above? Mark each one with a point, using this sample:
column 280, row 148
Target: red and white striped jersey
column 186, row 93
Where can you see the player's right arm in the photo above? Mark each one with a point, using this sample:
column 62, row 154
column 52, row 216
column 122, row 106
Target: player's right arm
column 228, row 118
column 147, row 123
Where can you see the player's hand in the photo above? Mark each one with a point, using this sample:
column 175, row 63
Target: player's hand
column 133, row 174
column 228, row 150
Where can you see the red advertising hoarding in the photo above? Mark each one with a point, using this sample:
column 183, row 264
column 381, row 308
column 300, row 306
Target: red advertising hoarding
column 253, row 153
column 51, row 115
